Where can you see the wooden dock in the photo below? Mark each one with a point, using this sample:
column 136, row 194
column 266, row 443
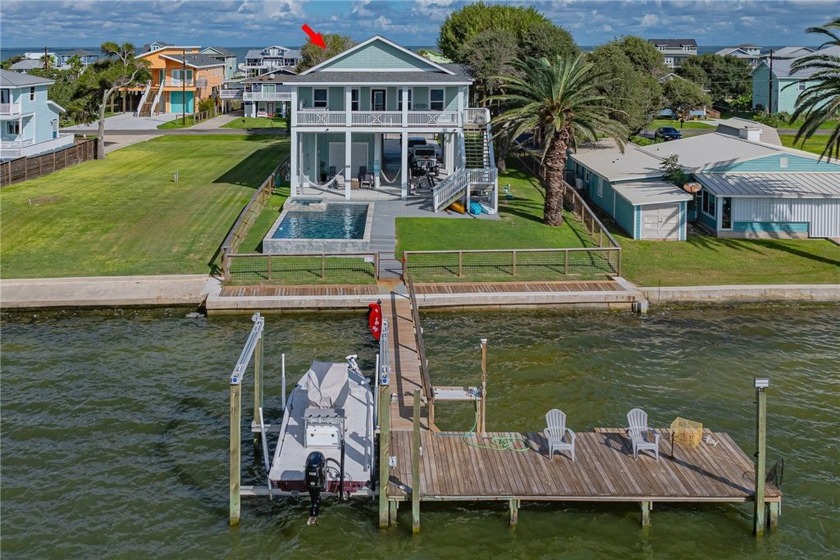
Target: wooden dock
column 515, row 467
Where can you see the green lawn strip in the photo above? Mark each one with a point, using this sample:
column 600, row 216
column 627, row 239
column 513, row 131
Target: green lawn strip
column 270, row 212
column 798, row 124
column 301, row 270
column 815, row 144
column 708, row 260
column 177, row 123
column 256, row 122
column 126, row 215
column 656, row 123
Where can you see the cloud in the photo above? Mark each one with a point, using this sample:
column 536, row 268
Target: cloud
column 648, row 20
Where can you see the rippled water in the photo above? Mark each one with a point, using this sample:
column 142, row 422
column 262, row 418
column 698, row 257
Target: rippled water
column 114, row 431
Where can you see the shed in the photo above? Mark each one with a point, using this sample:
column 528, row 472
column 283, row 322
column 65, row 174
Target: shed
column 659, row 209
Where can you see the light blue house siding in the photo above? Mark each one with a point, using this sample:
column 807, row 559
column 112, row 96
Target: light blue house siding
column 779, row 163
column 39, row 118
column 785, row 90
column 419, row 97
column 374, row 57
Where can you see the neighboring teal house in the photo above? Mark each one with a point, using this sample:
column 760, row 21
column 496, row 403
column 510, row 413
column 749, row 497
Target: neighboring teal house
column 28, row 118
column 353, row 115
column 222, row 55
column 786, row 86
column 750, row 189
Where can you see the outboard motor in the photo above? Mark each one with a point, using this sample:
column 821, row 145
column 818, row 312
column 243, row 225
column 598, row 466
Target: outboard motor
column 315, row 478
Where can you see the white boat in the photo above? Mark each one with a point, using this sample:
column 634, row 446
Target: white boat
column 331, row 411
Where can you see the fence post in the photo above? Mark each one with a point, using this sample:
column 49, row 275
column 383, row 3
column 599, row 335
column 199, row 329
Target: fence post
column 225, row 265
column 269, row 266
column 600, row 237
column 460, row 264
column 514, row 262
column 565, row 262
column 323, row 266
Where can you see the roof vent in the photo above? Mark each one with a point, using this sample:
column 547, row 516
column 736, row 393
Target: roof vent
column 783, row 162
column 751, row 133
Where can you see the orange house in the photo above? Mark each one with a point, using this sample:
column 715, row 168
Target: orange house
column 180, row 79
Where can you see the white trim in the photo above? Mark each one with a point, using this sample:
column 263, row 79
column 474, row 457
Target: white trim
column 325, row 70
column 188, row 63
column 369, row 41
column 443, row 101
column 384, row 90
column 374, row 84
column 410, row 90
column 167, row 47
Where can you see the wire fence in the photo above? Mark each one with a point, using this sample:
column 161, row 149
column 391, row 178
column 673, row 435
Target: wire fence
column 508, row 265
column 323, row 268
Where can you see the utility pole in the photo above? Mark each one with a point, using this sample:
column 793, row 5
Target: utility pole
column 46, row 59
column 184, row 89
column 770, row 86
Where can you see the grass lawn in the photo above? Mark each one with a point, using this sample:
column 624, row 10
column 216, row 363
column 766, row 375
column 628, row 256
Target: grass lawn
column 519, row 225
column 256, row 122
column 253, row 240
column 656, row 123
column 180, row 122
column 815, row 144
column 708, row 260
column 125, row 214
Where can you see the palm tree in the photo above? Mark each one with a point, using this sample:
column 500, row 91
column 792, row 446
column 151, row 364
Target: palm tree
column 559, row 101
column 820, row 102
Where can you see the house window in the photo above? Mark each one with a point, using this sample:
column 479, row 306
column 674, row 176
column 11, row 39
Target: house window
column 686, row 48
column 319, row 98
column 801, row 86
column 32, row 94
column 436, row 99
column 669, row 61
column 600, row 188
column 400, row 97
column 13, row 127
column 354, row 100
column 726, row 213
column 709, row 203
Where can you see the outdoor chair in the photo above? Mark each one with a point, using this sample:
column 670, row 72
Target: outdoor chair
column 639, row 433
column 556, row 432
column 365, row 178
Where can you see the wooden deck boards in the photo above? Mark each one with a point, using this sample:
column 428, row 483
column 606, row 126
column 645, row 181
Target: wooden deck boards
column 510, row 287
column 302, row 291
column 604, row 470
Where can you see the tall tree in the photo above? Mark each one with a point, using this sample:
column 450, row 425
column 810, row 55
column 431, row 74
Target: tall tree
column 724, row 77
column 820, row 102
column 313, row 55
column 682, row 96
column 119, row 69
column 559, row 100
column 638, row 94
column 489, row 55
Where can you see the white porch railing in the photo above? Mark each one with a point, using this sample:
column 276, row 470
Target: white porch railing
column 10, row 108
column 266, row 96
column 16, row 143
column 178, row 83
column 231, row 94
column 433, row 118
column 376, row 118
column 449, row 189
column 479, row 117
column 315, row 117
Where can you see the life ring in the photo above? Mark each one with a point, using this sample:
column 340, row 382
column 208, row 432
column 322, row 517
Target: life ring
column 375, row 319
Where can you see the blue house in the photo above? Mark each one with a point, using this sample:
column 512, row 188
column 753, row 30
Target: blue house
column 29, row 119
column 748, row 188
column 786, row 86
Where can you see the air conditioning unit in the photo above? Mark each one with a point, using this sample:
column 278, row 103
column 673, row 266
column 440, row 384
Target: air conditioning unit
column 579, row 183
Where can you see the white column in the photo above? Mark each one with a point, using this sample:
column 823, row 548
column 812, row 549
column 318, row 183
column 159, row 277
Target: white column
column 294, row 106
column 377, row 156
column 348, row 103
column 461, row 106
column 404, row 166
column 293, row 161
column 450, row 152
column 348, row 167
column 404, row 93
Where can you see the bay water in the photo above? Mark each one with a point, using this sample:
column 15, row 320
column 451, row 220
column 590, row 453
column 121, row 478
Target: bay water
column 115, row 431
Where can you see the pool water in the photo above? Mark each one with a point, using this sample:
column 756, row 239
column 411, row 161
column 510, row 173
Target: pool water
column 338, row 221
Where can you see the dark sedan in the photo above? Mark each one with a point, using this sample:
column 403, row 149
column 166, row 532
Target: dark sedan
column 667, row 133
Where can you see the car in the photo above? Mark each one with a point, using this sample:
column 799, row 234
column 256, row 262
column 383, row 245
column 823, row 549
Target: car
column 415, row 141
column 667, row 133
column 424, row 159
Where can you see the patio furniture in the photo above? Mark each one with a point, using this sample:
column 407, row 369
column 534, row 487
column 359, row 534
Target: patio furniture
column 556, row 432
column 639, row 433
column 365, row 178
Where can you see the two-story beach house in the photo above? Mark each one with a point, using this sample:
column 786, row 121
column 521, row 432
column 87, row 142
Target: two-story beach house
column 180, row 78
column 779, row 89
column 267, row 95
column 675, row 51
column 28, row 118
column 751, row 54
column 262, row 61
column 354, row 114
column 223, row 55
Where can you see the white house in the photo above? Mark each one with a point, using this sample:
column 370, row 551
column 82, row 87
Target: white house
column 29, row 119
column 749, row 53
column 262, row 61
column 354, row 114
column 675, row 51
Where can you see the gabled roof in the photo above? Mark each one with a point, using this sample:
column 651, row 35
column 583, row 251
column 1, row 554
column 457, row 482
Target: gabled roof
column 776, row 185
column 9, row 79
column 195, row 60
column 782, row 68
column 791, row 52
column 423, row 63
column 706, row 151
column 673, row 43
column 651, row 192
column 218, row 50
column 26, row 64
column 278, row 76
column 146, row 49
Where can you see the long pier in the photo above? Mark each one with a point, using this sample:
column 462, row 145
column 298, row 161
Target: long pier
column 421, row 463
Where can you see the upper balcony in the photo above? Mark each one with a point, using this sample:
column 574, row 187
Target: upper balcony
column 412, row 119
column 10, row 109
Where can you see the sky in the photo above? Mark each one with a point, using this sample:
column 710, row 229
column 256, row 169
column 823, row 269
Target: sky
column 237, row 23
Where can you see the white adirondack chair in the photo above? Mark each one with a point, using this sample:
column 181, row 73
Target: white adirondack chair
column 556, row 432
column 639, row 433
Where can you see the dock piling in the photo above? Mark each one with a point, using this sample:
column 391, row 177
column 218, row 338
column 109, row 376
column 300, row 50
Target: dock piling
column 760, row 519
column 482, row 427
column 384, row 452
column 646, row 507
column 514, row 511
column 775, row 511
column 415, row 467
column 235, row 446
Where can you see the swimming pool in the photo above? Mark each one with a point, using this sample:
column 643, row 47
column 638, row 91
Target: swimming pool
column 310, row 226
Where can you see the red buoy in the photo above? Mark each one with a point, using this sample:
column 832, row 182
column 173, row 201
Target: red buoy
column 375, row 319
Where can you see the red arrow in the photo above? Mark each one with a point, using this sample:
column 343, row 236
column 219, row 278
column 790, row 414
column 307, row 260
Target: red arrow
column 316, row 38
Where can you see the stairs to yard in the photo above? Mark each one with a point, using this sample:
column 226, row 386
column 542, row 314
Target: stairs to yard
column 476, row 149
